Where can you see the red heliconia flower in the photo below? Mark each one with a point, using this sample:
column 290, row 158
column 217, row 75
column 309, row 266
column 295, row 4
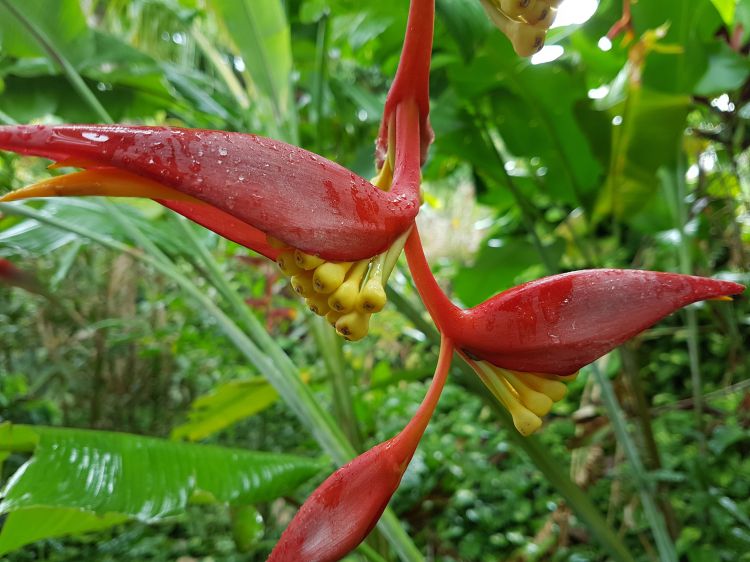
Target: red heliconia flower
column 338, row 236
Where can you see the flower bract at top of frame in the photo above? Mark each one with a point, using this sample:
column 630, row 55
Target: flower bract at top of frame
column 284, row 191
column 289, row 204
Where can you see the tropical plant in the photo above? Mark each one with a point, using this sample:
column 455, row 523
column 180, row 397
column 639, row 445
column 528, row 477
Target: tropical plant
column 338, row 237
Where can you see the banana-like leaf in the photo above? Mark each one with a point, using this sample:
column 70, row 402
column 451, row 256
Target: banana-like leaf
column 82, row 480
column 652, row 123
column 260, row 33
column 224, row 406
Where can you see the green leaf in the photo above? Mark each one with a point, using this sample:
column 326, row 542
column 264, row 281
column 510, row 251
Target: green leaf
column 727, row 70
column 63, row 22
column 36, row 523
column 118, row 476
column 692, row 26
column 726, row 9
column 260, row 34
column 499, row 267
column 466, row 22
column 646, row 138
column 225, row 405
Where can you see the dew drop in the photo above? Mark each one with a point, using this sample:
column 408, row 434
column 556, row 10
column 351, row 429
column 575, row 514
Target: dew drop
column 95, row 137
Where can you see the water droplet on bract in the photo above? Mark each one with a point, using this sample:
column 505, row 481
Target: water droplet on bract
column 96, row 137
column 223, row 152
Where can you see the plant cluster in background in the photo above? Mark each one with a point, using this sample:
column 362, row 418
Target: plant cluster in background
column 626, row 152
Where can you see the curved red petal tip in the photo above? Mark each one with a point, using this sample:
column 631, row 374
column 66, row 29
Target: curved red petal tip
column 342, row 510
column 561, row 323
column 294, row 195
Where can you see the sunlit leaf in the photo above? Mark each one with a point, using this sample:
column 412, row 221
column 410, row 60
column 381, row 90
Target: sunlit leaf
column 100, row 473
column 260, row 34
column 224, row 406
column 648, row 129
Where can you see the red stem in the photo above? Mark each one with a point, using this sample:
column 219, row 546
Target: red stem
column 405, row 443
column 407, row 173
column 441, row 309
column 412, row 81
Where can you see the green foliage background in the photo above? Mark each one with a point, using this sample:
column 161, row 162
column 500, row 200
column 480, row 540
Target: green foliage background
column 632, row 157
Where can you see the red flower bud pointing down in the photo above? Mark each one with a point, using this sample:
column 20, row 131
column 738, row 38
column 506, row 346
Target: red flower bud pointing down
column 342, row 511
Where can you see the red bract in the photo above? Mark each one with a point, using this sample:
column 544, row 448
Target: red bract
column 245, row 181
column 561, row 323
column 342, row 511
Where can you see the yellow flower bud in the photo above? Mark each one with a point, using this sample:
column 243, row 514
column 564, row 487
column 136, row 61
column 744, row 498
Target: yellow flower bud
column 306, row 261
column 287, row 264
column 344, row 298
column 353, row 326
column 329, row 276
column 556, row 390
column 318, row 304
column 538, row 403
column 372, row 297
column 303, row 284
column 332, row 317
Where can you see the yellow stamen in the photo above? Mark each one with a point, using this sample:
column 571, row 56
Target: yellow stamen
column 303, row 284
column 353, row 326
column 329, row 276
column 556, row 390
column 344, row 298
column 307, row 261
column 287, row 264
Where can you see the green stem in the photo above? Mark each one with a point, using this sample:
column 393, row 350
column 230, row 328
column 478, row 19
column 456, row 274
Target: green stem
column 677, row 197
column 320, row 77
column 646, row 489
column 329, row 345
column 221, row 66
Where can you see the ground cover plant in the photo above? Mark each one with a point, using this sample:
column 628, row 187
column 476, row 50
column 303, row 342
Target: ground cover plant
column 618, row 155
